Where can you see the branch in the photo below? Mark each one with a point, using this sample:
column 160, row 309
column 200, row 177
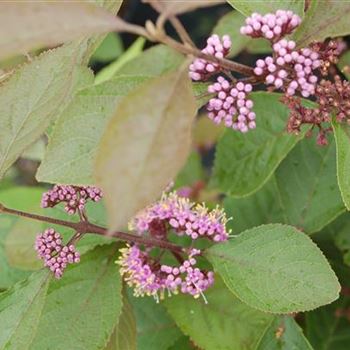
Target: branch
column 86, row 227
column 154, row 34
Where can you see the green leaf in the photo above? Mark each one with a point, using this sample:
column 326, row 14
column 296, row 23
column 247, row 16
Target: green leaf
column 230, row 24
column 8, row 274
column 263, row 7
column 82, row 308
column 32, row 25
column 323, row 19
column 155, row 61
column 20, row 311
column 139, row 143
column 327, row 328
column 19, row 232
column 37, row 92
column 275, row 268
column 155, row 329
column 337, row 234
column 110, row 49
column 124, row 334
column 307, row 186
column 244, row 162
column 263, row 207
column 342, row 138
column 70, row 155
column 283, row 334
column 191, row 172
column 35, row 151
column 111, row 70
column 33, row 96
column 344, row 64
column 333, row 241
column 303, row 192
column 222, row 324
column 200, row 91
column 183, row 343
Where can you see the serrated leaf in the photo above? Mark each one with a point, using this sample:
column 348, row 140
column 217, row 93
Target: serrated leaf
column 275, row 268
column 139, row 155
column 224, row 323
column 82, row 308
column 30, row 25
column 327, row 328
column 263, row 7
column 323, row 19
column 307, row 186
column 244, row 162
column 20, row 311
column 71, row 151
column 155, row 329
column 37, row 92
column 124, row 334
column 33, row 96
column 283, row 334
column 230, row 24
column 342, row 138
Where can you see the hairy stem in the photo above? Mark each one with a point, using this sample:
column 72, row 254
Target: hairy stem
column 87, row 227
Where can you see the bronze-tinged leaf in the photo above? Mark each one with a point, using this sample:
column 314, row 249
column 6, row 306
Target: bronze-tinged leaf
column 28, row 25
column 145, row 144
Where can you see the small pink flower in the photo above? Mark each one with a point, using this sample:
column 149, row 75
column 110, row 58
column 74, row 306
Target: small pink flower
column 74, row 197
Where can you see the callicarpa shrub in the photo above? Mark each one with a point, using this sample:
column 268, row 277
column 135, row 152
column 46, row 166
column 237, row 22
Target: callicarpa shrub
column 175, row 175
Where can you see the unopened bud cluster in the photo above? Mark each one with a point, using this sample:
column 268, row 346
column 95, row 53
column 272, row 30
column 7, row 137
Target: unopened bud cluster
column 201, row 69
column 74, row 197
column 289, row 69
column 271, row 26
column 231, row 105
column 333, row 98
column 56, row 256
column 49, row 244
column 178, row 215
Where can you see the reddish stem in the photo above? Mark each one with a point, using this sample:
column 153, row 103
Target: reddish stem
column 87, row 227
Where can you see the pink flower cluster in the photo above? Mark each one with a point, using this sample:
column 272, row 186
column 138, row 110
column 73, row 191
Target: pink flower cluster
column 149, row 279
column 184, row 217
column 231, row 105
column 74, row 197
column 271, row 26
column 56, row 256
column 145, row 273
column 290, row 69
column 201, row 69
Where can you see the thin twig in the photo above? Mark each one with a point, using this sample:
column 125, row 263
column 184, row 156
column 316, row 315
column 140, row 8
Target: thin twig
column 181, row 31
column 87, row 227
column 152, row 34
